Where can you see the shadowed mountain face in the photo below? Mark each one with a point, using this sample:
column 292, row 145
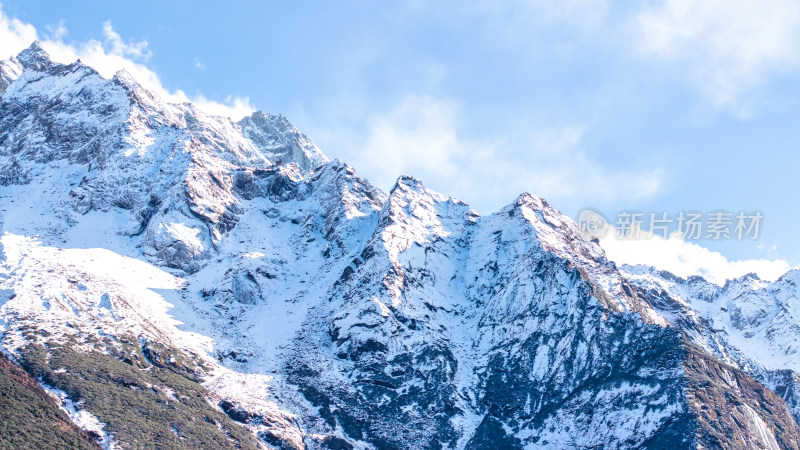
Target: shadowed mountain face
column 269, row 297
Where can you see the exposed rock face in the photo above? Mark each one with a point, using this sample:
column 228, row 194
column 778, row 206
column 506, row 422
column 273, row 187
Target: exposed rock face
column 732, row 407
column 320, row 312
column 280, row 140
column 122, row 147
column 747, row 323
column 10, row 70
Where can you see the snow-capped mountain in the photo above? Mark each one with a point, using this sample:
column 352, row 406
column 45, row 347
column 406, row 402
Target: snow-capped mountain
column 224, row 284
column 747, row 323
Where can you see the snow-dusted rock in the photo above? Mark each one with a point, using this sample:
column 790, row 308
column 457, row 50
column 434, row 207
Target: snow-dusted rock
column 324, row 313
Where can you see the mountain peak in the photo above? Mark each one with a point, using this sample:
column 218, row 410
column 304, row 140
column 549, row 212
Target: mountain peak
column 135, row 90
column 408, row 181
column 531, row 201
column 125, row 78
column 281, row 141
column 34, row 57
column 407, row 187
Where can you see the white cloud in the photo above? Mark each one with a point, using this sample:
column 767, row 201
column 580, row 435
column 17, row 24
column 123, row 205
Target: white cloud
column 234, row 107
column 136, row 50
column 727, row 47
column 418, row 135
column 57, row 32
column 685, row 258
column 14, row 36
column 424, row 136
column 108, row 57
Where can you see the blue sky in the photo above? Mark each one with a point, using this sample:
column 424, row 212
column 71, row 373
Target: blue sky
column 667, row 105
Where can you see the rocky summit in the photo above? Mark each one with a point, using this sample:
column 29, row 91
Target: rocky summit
column 174, row 279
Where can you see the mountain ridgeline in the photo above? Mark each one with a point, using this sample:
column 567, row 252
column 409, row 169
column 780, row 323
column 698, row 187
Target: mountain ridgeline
column 187, row 281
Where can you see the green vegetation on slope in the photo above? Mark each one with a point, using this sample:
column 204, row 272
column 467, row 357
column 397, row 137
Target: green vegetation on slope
column 147, row 395
column 29, row 418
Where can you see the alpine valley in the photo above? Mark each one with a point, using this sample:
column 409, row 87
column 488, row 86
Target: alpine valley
column 172, row 279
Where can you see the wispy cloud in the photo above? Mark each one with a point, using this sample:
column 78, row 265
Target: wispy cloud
column 234, row 107
column 684, row 258
column 57, row 31
column 107, row 57
column 425, row 136
column 726, row 47
column 132, row 49
column 15, row 35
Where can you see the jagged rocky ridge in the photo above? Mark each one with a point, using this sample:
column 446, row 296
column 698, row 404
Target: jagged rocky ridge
column 318, row 312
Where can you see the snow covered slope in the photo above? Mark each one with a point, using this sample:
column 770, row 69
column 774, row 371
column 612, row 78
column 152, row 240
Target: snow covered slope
column 748, row 323
column 199, row 258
